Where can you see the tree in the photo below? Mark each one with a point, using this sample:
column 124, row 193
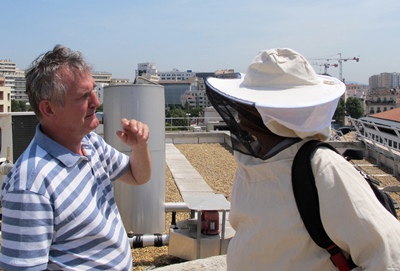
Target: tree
column 340, row 112
column 15, row 106
column 177, row 113
column 354, row 108
column 23, row 106
column 195, row 111
column 20, row 106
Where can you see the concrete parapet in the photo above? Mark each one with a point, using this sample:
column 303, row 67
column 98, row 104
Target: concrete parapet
column 198, row 137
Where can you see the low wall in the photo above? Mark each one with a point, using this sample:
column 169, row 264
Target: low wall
column 224, row 137
column 198, row 137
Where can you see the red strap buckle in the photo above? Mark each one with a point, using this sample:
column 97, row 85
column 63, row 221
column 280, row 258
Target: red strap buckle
column 338, row 258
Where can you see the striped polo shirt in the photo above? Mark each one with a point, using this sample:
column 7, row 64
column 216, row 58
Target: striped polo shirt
column 59, row 211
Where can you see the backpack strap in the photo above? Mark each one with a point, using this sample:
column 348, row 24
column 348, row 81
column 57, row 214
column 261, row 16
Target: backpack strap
column 384, row 198
column 306, row 196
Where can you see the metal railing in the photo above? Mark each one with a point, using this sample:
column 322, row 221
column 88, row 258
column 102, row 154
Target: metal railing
column 382, row 139
column 196, row 124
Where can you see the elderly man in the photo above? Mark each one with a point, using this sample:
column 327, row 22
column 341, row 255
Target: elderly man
column 59, row 211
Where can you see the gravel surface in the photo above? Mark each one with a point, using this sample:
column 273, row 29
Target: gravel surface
column 217, row 166
column 214, row 162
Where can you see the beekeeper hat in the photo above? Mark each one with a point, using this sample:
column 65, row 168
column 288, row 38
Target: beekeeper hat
column 291, row 98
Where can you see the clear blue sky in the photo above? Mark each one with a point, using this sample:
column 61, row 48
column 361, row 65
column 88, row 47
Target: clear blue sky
column 204, row 35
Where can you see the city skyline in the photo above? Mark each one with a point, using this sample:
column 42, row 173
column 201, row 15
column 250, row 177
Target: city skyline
column 206, row 35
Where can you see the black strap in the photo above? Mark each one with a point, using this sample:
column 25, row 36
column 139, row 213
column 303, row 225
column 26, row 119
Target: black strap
column 384, row 198
column 306, row 196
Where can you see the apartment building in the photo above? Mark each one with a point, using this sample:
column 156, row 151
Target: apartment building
column 196, row 95
column 173, row 75
column 102, row 77
column 119, row 81
column 381, row 99
column 384, row 80
column 5, row 96
column 182, row 88
column 14, row 79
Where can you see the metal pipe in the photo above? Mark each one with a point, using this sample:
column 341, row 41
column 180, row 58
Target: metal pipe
column 198, row 234
column 147, row 240
column 176, row 206
column 222, row 231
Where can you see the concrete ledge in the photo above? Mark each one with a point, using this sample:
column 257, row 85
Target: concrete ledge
column 198, row 137
column 216, row 263
column 341, row 146
column 187, row 178
column 348, row 144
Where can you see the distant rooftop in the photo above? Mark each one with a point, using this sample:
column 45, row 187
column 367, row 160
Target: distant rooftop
column 393, row 115
column 166, row 82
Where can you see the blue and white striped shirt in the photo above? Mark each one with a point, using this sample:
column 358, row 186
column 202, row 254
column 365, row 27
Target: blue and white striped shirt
column 59, row 211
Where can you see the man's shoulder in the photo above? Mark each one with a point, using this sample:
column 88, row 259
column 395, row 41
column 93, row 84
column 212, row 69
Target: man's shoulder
column 328, row 155
column 328, row 162
column 32, row 162
column 31, row 156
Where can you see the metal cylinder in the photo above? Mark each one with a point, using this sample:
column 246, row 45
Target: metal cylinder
column 141, row 207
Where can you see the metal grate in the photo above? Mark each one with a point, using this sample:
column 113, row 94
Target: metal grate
column 23, row 130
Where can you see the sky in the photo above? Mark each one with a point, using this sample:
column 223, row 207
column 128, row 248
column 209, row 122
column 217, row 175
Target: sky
column 205, row 35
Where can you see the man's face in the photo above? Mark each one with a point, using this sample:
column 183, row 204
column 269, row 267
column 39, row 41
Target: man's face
column 247, row 122
column 263, row 140
column 78, row 114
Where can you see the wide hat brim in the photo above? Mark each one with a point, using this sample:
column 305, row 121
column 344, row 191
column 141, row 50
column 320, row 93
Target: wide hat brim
column 327, row 90
column 285, row 89
column 304, row 110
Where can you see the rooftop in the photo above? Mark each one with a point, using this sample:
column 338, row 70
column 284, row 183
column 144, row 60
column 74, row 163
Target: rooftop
column 391, row 115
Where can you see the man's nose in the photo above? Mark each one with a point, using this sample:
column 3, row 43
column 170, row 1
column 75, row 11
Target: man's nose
column 94, row 100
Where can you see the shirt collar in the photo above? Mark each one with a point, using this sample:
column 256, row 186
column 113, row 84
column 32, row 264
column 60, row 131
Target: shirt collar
column 57, row 150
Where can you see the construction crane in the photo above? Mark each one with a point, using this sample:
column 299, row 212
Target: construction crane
column 340, row 60
column 326, row 66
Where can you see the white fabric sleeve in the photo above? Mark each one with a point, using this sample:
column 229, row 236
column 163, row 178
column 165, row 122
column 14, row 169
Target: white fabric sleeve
column 352, row 216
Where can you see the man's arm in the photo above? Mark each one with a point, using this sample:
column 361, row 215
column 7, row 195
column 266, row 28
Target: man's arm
column 136, row 134
column 353, row 217
column 27, row 231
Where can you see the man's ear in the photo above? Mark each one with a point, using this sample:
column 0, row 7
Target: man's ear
column 46, row 109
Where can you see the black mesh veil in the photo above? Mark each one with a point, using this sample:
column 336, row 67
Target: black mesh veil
column 232, row 112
